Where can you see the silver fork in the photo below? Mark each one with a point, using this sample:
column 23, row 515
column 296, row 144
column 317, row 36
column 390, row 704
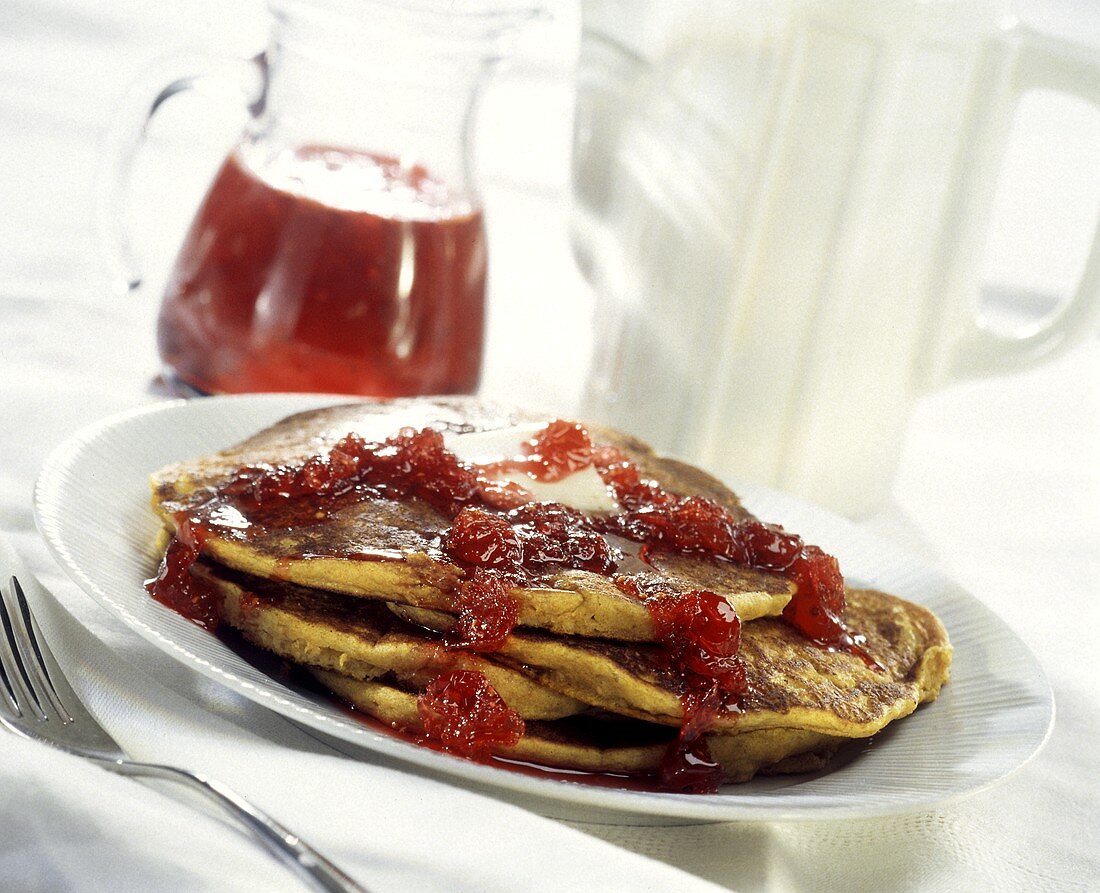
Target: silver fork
column 37, row 702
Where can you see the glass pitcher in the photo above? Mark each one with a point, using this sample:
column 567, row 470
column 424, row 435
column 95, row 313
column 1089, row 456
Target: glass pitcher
column 341, row 246
column 782, row 206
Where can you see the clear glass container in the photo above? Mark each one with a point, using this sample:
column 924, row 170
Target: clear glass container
column 782, row 207
column 341, row 246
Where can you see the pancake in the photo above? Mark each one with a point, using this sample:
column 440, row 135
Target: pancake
column 593, row 744
column 792, row 683
column 385, row 549
column 362, row 640
column 315, row 558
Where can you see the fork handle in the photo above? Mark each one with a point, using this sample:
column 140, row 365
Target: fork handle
column 286, row 846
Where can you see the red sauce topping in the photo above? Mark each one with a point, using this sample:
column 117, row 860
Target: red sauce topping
column 556, row 536
column 464, row 715
column 818, row 606
column 702, row 635
column 693, row 524
column 175, row 588
column 689, row 768
column 557, row 451
column 480, row 539
column 275, row 290
column 560, row 449
column 411, row 464
column 486, row 613
column 504, row 550
column 503, row 539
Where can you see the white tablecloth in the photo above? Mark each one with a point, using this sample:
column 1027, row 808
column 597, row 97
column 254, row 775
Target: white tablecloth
column 999, row 484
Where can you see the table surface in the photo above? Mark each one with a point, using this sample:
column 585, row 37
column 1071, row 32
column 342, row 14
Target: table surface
column 999, row 481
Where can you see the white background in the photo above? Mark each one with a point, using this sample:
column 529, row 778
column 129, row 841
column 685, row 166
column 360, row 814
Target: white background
column 998, row 484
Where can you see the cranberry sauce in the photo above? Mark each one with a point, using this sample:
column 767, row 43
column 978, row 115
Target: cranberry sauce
column 502, row 539
column 463, row 714
column 331, row 271
column 175, row 587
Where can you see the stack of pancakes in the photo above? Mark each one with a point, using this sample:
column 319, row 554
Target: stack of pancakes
column 362, row 598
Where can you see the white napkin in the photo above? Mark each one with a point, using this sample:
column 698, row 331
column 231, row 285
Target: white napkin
column 72, row 826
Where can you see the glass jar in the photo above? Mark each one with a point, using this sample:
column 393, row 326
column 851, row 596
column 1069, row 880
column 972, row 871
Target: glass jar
column 341, row 246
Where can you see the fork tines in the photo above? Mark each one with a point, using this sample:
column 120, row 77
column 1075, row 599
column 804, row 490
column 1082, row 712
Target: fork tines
column 27, row 688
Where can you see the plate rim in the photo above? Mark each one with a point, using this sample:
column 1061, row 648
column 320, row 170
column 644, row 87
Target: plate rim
column 719, row 807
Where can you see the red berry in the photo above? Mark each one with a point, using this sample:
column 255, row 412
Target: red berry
column 462, row 712
column 768, row 546
column 702, row 633
column 487, row 613
column 559, row 449
column 817, row 607
column 483, row 540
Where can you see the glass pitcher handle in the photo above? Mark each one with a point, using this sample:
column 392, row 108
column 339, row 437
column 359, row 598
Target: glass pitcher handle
column 1043, row 63
column 243, row 79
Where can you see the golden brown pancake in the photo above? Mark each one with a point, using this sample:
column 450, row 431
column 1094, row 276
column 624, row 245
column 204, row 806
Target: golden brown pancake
column 362, row 639
column 361, row 591
column 595, row 744
column 386, row 549
column 793, row 683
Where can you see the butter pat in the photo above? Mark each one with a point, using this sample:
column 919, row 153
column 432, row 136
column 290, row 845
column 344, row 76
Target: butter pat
column 485, row 447
column 583, row 490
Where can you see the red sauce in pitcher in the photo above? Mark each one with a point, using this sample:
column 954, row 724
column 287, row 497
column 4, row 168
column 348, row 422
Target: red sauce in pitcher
column 332, row 271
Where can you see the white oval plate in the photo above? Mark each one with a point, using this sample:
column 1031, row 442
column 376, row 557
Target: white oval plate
column 92, row 507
